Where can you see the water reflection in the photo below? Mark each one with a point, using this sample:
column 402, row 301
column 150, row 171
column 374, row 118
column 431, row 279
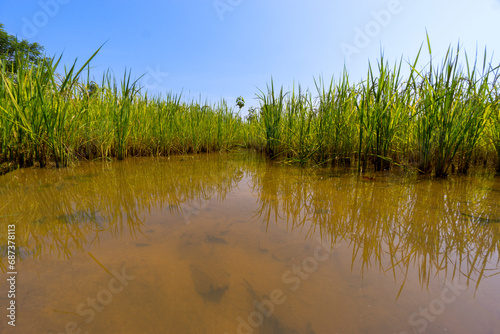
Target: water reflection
column 449, row 226
column 205, row 237
column 66, row 211
column 438, row 226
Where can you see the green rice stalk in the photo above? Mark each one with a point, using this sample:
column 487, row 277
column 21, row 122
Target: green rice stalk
column 272, row 105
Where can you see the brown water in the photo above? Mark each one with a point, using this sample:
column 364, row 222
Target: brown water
column 232, row 244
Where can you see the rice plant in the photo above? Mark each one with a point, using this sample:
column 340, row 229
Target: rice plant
column 336, row 126
column 272, row 107
column 435, row 119
column 493, row 128
column 47, row 117
column 381, row 113
column 477, row 108
column 452, row 114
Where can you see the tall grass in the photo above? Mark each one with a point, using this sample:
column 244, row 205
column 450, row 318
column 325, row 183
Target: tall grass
column 272, row 108
column 437, row 119
column 478, row 109
column 453, row 114
column 431, row 121
column 47, row 118
column 381, row 112
column 493, row 127
column 336, row 126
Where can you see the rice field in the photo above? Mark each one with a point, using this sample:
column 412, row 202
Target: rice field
column 436, row 119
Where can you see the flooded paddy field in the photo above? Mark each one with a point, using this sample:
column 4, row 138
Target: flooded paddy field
column 234, row 244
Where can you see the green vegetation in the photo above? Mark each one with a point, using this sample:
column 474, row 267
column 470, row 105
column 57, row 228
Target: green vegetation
column 46, row 117
column 9, row 45
column 435, row 120
column 439, row 119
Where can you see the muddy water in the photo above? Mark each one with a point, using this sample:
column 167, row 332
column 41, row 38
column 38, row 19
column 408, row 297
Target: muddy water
column 232, row 244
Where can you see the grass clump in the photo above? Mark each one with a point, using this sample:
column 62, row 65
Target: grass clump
column 47, row 118
column 436, row 120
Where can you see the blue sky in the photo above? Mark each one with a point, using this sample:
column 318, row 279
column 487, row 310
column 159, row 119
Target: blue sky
column 226, row 48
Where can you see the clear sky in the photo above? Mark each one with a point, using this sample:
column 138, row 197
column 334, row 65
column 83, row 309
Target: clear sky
column 227, row 48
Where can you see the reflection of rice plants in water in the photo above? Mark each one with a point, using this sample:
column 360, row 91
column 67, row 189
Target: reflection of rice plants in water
column 255, row 237
column 435, row 120
column 66, row 213
column 428, row 223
